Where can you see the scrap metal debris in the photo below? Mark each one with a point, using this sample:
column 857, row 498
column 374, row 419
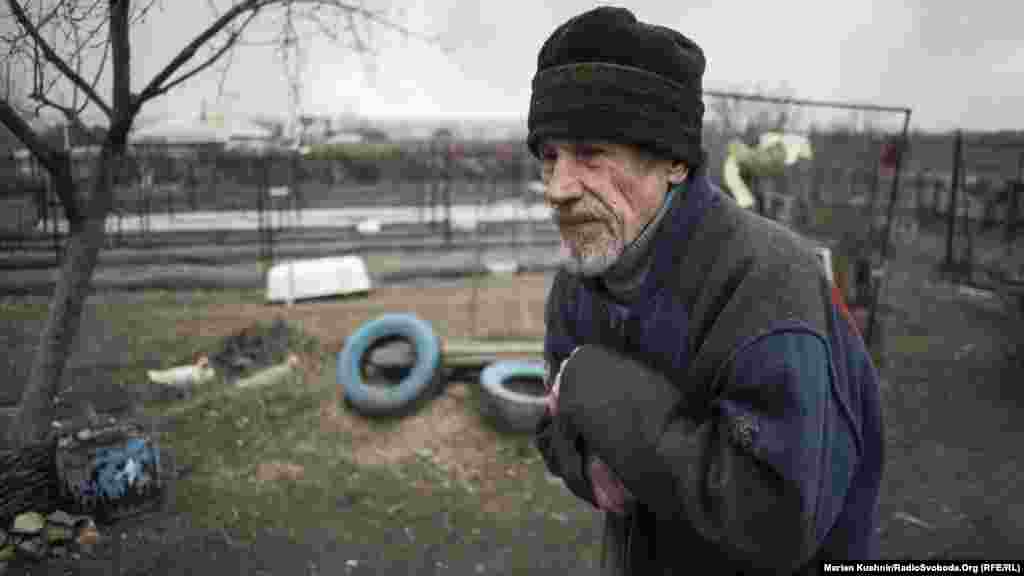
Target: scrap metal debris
column 255, row 348
column 34, row 537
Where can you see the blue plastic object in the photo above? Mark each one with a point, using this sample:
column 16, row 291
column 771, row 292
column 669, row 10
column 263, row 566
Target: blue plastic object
column 112, row 473
column 380, row 400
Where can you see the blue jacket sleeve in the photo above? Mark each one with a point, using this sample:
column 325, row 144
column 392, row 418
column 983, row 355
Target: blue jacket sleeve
column 763, row 477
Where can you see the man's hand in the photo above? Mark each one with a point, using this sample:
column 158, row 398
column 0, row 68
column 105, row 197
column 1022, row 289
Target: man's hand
column 610, row 493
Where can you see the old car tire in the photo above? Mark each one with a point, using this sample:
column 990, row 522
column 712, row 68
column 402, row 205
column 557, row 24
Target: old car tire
column 514, row 410
column 424, row 376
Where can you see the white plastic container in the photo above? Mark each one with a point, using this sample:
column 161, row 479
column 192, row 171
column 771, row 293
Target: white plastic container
column 368, row 227
column 502, row 266
column 316, row 278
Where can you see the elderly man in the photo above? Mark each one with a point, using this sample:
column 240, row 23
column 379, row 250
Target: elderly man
column 709, row 391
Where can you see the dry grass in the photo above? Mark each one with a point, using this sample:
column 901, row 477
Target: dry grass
column 448, row 434
column 449, row 429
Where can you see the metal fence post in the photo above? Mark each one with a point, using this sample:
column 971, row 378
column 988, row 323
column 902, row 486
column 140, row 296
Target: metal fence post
column 1013, row 204
column 954, row 187
column 873, row 332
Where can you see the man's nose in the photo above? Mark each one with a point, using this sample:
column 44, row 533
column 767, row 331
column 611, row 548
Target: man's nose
column 564, row 184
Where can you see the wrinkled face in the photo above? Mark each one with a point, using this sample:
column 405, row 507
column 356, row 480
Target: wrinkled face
column 602, row 195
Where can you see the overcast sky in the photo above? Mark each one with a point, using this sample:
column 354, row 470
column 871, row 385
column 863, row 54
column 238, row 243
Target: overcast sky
column 957, row 64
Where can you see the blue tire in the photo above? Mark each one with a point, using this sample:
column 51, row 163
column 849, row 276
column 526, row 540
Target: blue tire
column 392, row 400
column 516, row 411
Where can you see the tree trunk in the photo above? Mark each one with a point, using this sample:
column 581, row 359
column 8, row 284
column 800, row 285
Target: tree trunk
column 32, row 424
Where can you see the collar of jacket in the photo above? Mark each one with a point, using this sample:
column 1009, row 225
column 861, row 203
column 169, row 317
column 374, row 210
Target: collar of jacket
column 630, row 270
column 669, row 239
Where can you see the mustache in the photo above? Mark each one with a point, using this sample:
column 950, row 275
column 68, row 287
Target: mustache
column 576, row 215
column 574, row 219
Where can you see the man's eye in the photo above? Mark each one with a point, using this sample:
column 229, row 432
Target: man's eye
column 589, row 152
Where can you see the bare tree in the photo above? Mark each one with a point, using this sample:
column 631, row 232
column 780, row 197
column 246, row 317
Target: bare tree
column 78, row 54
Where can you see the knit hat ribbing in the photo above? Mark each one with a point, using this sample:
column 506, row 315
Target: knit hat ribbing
column 605, row 75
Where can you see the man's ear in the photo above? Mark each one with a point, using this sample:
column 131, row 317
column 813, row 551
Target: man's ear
column 677, row 172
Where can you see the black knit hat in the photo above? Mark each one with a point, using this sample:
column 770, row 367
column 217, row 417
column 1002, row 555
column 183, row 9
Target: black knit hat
column 606, row 75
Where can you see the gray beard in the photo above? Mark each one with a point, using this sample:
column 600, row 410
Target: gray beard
column 590, row 265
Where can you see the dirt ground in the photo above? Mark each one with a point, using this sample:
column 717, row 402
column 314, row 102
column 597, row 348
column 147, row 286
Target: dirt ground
column 950, row 397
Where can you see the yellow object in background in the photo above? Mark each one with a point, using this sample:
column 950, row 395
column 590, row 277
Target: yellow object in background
column 775, row 151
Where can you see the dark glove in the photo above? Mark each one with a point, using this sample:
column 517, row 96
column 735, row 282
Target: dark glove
column 619, row 408
column 564, row 454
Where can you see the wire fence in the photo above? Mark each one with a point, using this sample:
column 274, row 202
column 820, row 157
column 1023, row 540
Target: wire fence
column 201, row 195
column 852, row 178
column 831, row 181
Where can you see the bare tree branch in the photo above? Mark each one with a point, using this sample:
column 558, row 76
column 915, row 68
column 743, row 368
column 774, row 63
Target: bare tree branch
column 223, row 79
column 257, row 43
column 147, row 94
column 329, row 32
column 76, row 16
column 375, row 16
column 12, row 120
column 156, row 85
column 100, row 27
column 69, row 112
column 86, row 13
column 40, row 90
column 140, row 14
column 78, row 66
column 81, row 45
column 347, row 9
column 360, row 46
column 103, row 63
column 54, row 59
column 43, row 22
column 73, row 35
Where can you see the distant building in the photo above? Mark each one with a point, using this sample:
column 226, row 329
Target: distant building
column 345, row 138
column 214, row 130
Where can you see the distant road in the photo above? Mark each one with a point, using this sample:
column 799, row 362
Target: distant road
column 463, row 216
column 296, row 245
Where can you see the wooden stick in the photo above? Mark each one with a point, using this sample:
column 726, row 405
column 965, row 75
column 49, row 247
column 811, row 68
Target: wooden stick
column 455, row 348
